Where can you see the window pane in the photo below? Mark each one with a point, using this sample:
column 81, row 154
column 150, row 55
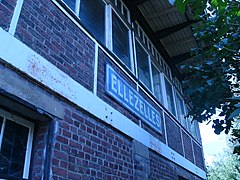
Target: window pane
column 92, row 14
column 71, row 4
column 180, row 109
column 170, row 99
column 143, row 65
column 121, row 40
column 193, row 129
column 157, row 83
column 12, row 155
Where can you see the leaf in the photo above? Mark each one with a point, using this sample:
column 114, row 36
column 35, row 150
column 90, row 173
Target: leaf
column 214, row 3
column 235, row 35
column 210, row 82
column 234, row 98
column 181, row 5
column 234, row 114
column 237, row 105
column 224, row 41
column 237, row 150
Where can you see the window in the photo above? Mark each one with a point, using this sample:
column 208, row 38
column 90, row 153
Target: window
column 71, row 4
column 194, row 129
column 157, row 84
column 143, row 65
column 180, row 108
column 91, row 14
column 120, row 38
column 121, row 8
column 170, row 98
column 15, row 146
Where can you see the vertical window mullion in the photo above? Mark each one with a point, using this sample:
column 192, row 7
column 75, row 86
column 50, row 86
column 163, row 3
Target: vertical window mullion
column 28, row 153
column 131, row 47
column 2, row 132
column 174, row 100
column 109, row 41
column 150, row 73
column 135, row 57
column 164, row 90
column 77, row 7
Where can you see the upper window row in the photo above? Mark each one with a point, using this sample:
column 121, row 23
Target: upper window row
column 109, row 23
column 105, row 25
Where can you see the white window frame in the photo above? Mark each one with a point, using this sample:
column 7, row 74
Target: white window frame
column 109, row 34
column 161, row 100
column 149, row 65
column 177, row 94
column 166, row 104
column 27, row 124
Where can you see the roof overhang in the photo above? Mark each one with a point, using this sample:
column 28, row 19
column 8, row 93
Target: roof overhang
column 170, row 31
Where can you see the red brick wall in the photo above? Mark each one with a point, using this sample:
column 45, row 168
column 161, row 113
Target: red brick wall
column 6, row 13
column 87, row 148
column 198, row 156
column 39, row 151
column 162, row 168
column 187, row 142
column 173, row 135
column 45, row 29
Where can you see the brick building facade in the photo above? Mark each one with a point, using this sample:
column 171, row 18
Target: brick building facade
column 78, row 100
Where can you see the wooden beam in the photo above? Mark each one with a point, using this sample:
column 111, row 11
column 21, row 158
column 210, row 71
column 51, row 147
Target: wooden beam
column 137, row 2
column 168, row 31
column 179, row 42
column 161, row 13
column 181, row 57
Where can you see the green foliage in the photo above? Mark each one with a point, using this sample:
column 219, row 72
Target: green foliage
column 225, row 166
column 213, row 79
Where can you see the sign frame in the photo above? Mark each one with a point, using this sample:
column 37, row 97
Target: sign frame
column 121, row 91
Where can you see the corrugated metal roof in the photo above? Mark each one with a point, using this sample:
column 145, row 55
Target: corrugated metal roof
column 170, row 28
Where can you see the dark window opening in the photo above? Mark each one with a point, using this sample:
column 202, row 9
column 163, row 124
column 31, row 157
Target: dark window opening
column 121, row 40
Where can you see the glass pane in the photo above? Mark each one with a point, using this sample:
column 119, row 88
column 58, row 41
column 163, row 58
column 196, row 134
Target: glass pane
column 157, row 83
column 170, row 99
column 180, row 108
column 121, row 40
column 71, row 4
column 125, row 13
column 143, row 65
column 13, row 149
column 92, row 15
column 119, row 5
column 193, row 129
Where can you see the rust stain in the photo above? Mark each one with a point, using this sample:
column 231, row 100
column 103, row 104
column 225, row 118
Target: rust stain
column 41, row 72
column 36, row 68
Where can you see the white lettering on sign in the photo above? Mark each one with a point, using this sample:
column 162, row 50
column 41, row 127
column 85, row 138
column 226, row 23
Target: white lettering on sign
column 130, row 98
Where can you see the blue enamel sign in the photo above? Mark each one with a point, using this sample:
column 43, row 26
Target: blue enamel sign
column 130, row 98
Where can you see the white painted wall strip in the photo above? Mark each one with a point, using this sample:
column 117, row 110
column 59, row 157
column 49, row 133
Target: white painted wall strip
column 16, row 14
column 26, row 60
column 95, row 70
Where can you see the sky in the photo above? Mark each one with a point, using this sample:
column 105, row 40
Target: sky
column 213, row 144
